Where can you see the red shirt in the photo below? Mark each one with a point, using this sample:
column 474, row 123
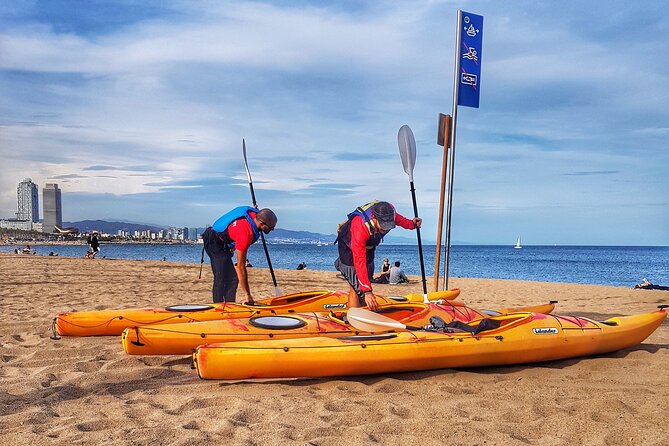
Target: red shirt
column 359, row 236
column 241, row 233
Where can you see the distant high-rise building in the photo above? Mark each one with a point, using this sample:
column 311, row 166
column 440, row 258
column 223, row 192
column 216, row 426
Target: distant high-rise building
column 28, row 201
column 53, row 210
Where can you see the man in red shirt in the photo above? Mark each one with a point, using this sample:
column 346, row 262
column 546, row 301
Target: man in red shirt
column 234, row 232
column 357, row 240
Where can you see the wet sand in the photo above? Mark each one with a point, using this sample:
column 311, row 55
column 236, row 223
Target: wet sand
column 88, row 391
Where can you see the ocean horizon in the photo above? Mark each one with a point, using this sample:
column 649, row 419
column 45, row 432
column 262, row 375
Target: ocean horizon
column 596, row 265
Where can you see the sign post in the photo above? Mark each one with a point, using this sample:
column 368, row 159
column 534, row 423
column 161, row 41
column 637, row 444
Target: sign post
column 466, row 91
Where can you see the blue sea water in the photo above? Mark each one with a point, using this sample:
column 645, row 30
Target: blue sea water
column 600, row 265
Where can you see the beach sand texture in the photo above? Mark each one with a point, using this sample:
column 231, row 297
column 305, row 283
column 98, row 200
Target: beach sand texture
column 88, row 391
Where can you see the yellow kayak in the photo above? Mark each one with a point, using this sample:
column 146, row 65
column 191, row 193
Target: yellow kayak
column 182, row 339
column 113, row 322
column 517, row 338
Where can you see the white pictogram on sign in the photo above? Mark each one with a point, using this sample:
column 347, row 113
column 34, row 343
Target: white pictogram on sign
column 471, row 54
column 469, row 79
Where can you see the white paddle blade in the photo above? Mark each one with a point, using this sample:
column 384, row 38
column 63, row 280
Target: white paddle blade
column 366, row 320
column 407, row 146
column 246, row 163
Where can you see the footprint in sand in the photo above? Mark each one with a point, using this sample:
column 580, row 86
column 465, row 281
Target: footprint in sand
column 49, row 379
column 18, row 338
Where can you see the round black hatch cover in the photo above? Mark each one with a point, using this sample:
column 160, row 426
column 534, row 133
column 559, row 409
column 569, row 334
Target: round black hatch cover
column 187, row 308
column 277, row 322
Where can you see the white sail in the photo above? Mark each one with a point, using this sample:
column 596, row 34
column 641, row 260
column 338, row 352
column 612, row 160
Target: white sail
column 518, row 245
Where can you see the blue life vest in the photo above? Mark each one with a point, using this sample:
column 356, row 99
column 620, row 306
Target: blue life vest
column 221, row 225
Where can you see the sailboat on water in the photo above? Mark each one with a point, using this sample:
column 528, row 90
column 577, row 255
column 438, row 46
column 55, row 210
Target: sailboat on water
column 518, row 245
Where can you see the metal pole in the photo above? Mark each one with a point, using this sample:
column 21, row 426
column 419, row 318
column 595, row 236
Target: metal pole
column 454, row 114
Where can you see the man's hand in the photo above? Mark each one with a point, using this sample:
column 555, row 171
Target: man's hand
column 417, row 221
column 370, row 300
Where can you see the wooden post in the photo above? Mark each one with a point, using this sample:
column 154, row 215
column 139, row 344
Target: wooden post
column 443, row 139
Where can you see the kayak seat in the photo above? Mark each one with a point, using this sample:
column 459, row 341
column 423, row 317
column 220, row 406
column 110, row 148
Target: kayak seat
column 484, row 325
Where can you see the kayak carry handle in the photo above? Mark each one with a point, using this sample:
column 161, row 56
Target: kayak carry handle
column 137, row 343
column 54, row 336
column 662, row 307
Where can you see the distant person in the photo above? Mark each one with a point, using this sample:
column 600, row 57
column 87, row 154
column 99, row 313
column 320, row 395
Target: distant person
column 94, row 245
column 27, row 250
column 248, row 264
column 233, row 233
column 357, row 239
column 397, row 276
column 302, row 266
column 385, row 272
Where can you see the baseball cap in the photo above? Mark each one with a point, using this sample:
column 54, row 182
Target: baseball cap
column 385, row 215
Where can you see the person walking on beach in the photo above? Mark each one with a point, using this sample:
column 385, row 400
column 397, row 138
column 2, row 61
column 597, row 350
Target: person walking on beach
column 397, row 276
column 233, row 233
column 357, row 239
column 94, row 247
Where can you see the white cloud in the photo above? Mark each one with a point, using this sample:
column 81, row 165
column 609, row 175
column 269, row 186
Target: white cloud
column 165, row 100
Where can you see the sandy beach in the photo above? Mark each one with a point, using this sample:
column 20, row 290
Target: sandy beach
column 88, row 391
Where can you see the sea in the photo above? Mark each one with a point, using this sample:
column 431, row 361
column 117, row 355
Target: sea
column 597, row 265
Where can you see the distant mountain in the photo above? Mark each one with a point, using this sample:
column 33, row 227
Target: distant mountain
column 279, row 235
column 110, row 227
column 287, row 236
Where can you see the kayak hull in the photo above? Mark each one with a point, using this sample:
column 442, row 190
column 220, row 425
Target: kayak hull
column 182, row 339
column 113, row 322
column 523, row 338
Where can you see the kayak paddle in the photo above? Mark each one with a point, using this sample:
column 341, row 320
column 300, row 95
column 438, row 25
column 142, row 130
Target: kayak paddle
column 277, row 291
column 407, row 146
column 368, row 321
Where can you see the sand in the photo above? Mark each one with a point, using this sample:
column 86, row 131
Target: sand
column 88, row 391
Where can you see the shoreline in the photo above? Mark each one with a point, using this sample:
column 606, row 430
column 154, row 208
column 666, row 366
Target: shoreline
column 86, row 390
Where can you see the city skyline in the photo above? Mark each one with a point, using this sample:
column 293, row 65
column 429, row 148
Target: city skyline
column 138, row 113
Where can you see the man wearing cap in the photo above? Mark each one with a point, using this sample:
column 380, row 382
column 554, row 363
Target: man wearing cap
column 234, row 232
column 357, row 240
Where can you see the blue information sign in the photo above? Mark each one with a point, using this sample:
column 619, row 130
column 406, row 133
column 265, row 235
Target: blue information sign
column 471, row 39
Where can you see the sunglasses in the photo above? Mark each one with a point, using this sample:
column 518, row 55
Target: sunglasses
column 267, row 228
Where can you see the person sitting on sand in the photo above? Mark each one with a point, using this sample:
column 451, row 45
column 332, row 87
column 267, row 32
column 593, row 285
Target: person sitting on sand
column 27, row 250
column 233, row 233
column 397, row 276
column 385, row 272
column 301, row 266
column 357, row 239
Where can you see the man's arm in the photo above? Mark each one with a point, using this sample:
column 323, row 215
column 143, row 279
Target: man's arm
column 242, row 275
column 359, row 237
column 403, row 222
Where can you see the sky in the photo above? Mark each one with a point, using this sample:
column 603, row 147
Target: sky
column 138, row 109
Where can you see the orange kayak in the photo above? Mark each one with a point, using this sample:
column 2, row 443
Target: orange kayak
column 113, row 322
column 180, row 339
column 518, row 338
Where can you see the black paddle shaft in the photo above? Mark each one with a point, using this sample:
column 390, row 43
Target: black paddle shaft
column 420, row 243
column 262, row 237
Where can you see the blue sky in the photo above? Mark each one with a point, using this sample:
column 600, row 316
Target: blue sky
column 138, row 109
